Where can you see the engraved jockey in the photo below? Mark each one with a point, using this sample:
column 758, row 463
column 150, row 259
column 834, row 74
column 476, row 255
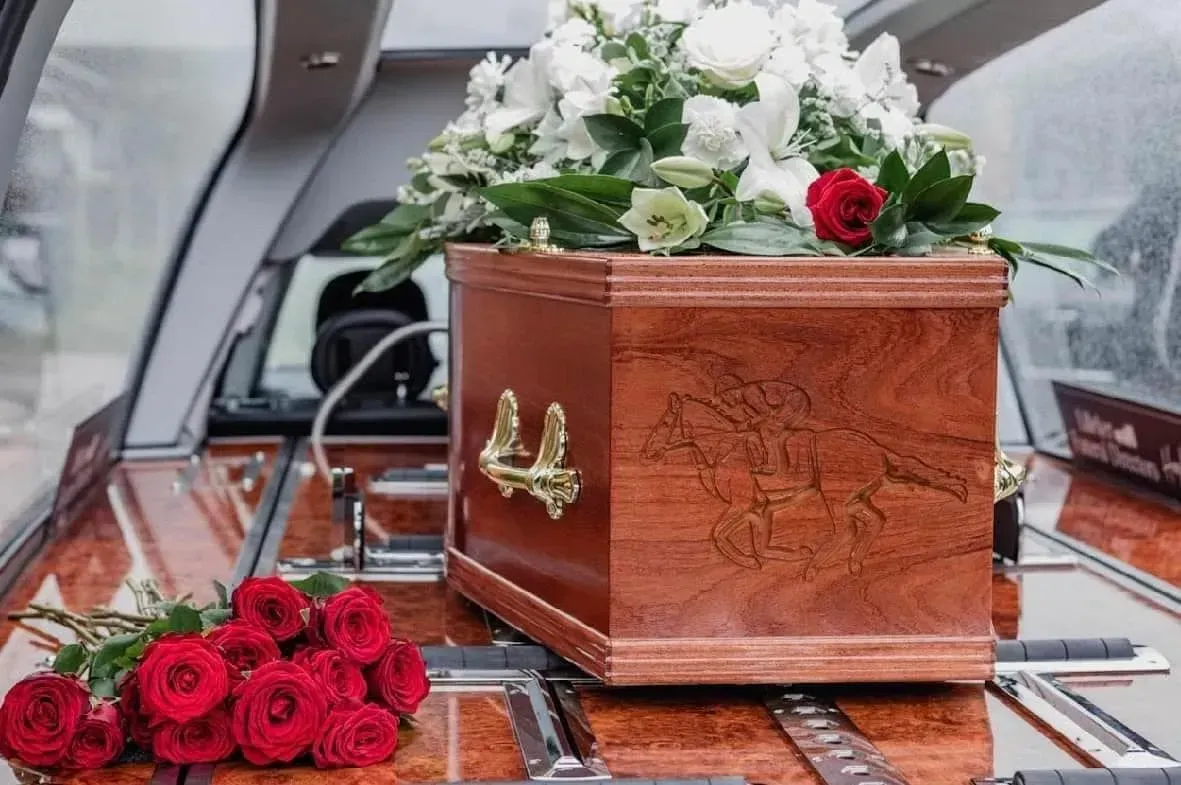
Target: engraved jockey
column 764, row 411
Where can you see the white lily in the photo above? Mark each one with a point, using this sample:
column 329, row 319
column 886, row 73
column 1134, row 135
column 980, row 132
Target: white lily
column 776, row 167
column 527, row 92
column 880, row 70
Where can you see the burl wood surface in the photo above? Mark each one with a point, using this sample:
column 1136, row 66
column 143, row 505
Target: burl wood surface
column 141, row 528
column 1135, row 527
column 545, row 351
column 795, row 492
column 428, row 613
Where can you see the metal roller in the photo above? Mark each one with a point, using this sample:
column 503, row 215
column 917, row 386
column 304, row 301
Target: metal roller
column 1064, row 649
column 491, row 658
column 1170, row 776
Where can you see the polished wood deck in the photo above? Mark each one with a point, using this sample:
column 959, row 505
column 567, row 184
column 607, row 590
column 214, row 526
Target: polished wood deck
column 934, row 734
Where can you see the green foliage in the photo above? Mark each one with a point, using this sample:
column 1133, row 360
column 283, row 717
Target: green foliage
column 106, row 660
column 762, row 238
column 70, row 659
column 184, row 619
column 321, row 584
column 223, row 594
column 567, row 211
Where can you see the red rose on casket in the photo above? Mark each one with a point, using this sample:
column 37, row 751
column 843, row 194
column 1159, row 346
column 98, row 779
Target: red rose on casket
column 354, row 623
column 341, row 679
column 129, row 706
column 39, row 717
column 277, row 713
column 399, row 678
column 181, row 677
column 245, row 646
column 98, row 740
column 272, row 604
column 356, row 734
column 206, row 739
column 843, row 205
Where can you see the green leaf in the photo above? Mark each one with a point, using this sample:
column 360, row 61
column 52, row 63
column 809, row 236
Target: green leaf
column 919, row 239
column 971, row 218
column 214, row 617
column 397, row 267
column 321, row 584
column 614, row 133
column 635, row 165
column 761, row 238
column 123, row 663
column 598, row 187
column 664, row 112
column 158, row 627
column 889, row 228
column 638, row 44
column 667, row 139
column 223, row 594
column 934, row 171
column 70, row 659
column 103, row 687
column 567, row 211
column 136, row 650
column 1049, row 264
column 184, row 619
column 612, row 50
column 103, row 666
column 383, row 236
column 942, row 201
column 893, row 175
column 1066, row 252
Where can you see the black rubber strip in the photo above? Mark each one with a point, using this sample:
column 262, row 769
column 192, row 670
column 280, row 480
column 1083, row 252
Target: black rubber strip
column 492, row 658
column 199, row 774
column 427, row 543
column 1099, row 777
column 165, row 774
column 1064, row 649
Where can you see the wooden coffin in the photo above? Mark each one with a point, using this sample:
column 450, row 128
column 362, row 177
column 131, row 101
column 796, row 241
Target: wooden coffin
column 783, row 468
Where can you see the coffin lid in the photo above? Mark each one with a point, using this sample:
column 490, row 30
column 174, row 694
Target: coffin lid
column 638, row 280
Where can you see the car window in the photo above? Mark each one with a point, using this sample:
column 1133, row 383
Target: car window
column 286, row 370
column 1081, row 134
column 136, row 103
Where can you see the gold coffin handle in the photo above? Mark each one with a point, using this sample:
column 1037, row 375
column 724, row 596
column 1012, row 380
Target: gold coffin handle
column 547, row 480
column 1008, row 475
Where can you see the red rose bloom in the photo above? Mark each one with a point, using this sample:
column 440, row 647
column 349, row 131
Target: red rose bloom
column 277, row 713
column 399, row 678
column 272, row 604
column 244, row 645
column 843, row 205
column 341, row 679
column 133, row 715
column 356, row 734
column 181, row 677
column 98, row 740
column 39, row 717
column 206, row 739
column 354, row 623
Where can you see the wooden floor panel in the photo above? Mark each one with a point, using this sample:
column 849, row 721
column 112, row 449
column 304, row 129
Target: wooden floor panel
column 139, row 527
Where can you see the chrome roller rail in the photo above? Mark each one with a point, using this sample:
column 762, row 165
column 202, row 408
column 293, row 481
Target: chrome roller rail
column 552, row 733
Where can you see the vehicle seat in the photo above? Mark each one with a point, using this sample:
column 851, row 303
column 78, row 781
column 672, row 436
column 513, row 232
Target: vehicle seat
column 348, row 325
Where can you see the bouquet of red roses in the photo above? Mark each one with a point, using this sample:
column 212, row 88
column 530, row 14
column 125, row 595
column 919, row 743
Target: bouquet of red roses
column 279, row 672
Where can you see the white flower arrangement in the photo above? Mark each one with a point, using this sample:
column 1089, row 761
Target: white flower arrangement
column 666, row 125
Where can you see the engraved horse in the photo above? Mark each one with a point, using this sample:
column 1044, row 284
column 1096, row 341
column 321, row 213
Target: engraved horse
column 858, row 466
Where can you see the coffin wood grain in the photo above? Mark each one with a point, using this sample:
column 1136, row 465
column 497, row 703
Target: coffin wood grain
column 881, row 531
column 963, row 281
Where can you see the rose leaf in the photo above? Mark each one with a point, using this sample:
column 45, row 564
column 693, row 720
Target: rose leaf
column 70, row 659
column 321, row 584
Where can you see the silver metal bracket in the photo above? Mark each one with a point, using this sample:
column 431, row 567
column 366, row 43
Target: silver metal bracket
column 552, row 733
column 1146, row 660
column 253, row 470
column 356, row 559
column 428, row 482
column 1090, row 730
column 1037, row 563
column 187, row 476
column 834, row 747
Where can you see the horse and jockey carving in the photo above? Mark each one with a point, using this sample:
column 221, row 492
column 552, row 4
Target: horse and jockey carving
column 753, row 452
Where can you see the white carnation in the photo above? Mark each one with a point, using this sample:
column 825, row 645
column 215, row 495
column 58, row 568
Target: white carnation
column 730, row 44
column 484, row 82
column 574, row 32
column 713, row 136
column 814, row 26
column 789, row 63
column 572, row 69
column 678, row 11
column 619, row 16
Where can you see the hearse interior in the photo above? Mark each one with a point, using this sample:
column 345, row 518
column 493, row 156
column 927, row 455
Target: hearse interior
column 192, row 390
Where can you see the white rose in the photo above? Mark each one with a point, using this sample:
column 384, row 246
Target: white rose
column 678, row 11
column 730, row 44
column 713, row 135
column 663, row 218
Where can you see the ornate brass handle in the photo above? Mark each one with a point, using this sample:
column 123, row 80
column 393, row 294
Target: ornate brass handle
column 1007, row 477
column 547, row 480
